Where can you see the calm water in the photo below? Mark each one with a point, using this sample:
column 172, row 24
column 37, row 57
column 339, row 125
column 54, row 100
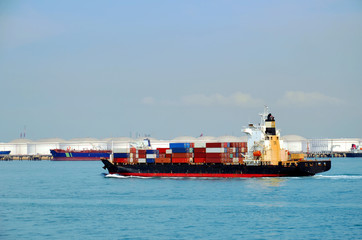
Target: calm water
column 75, row 200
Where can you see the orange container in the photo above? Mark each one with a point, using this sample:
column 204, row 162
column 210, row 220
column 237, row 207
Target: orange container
column 162, row 160
column 180, row 160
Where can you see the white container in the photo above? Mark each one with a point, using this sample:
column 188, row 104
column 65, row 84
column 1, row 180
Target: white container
column 142, row 160
column 200, row 144
column 215, row 150
column 121, row 150
column 235, row 160
column 168, row 151
column 151, row 155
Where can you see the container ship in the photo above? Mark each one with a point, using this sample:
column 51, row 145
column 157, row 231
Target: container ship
column 79, row 155
column 4, row 153
column 260, row 156
column 356, row 151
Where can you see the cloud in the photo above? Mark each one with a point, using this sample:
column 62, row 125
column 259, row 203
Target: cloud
column 307, row 99
column 148, row 101
column 236, row 99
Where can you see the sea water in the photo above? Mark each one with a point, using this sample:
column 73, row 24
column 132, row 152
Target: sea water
column 79, row 200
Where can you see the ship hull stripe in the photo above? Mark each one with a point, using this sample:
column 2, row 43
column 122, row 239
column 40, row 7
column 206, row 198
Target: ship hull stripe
column 201, row 175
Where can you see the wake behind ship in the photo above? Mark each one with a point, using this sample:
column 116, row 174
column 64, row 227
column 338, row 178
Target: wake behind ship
column 261, row 156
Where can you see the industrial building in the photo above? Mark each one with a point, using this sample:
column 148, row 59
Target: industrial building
column 293, row 143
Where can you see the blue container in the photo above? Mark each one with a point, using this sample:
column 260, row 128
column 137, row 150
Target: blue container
column 151, row 151
column 180, row 150
column 150, row 160
column 121, row 155
column 179, row 145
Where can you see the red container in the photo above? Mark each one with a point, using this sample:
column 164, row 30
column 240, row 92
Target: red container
column 213, row 160
column 141, row 155
column 192, row 145
column 199, row 155
column 182, row 155
column 141, row 151
column 162, row 155
column 180, row 160
column 199, row 160
column 121, row 160
column 215, row 145
column 214, row 155
column 162, row 150
column 169, row 155
column 199, row 150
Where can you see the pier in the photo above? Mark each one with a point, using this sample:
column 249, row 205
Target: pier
column 25, row 157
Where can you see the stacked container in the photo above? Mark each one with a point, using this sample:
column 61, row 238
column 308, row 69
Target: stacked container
column 197, row 153
column 182, row 152
column 125, row 155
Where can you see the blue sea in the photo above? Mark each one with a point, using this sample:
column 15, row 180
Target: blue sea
column 78, row 200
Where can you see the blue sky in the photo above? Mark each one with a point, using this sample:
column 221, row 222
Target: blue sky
column 172, row 68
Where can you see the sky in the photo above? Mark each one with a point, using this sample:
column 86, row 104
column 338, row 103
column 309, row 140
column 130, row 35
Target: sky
column 101, row 69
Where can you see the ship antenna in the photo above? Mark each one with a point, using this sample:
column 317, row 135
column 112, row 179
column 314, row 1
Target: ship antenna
column 264, row 115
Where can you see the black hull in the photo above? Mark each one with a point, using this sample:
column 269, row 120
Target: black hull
column 303, row 168
column 359, row 154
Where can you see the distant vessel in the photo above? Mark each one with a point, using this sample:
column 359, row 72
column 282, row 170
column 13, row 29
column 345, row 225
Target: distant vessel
column 356, row 151
column 261, row 156
column 5, row 152
column 79, row 155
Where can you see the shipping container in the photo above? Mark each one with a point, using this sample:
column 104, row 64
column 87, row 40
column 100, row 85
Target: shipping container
column 182, row 155
column 199, row 155
column 151, row 155
column 121, row 155
column 180, row 150
column 216, row 155
column 168, row 151
column 163, row 160
column 151, row 151
column 142, row 155
column 215, row 145
column 150, row 160
column 181, row 160
column 179, row 145
column 199, row 150
column 200, row 145
column 162, row 150
column 121, row 150
column 199, row 160
column 213, row 160
column 215, row 150
column 142, row 160
column 141, row 151
column 121, row 160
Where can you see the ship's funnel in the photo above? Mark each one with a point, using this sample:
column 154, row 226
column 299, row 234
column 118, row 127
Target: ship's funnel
column 270, row 125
